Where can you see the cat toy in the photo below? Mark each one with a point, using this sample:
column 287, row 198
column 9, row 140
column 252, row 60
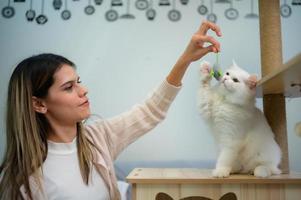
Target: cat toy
column 216, row 71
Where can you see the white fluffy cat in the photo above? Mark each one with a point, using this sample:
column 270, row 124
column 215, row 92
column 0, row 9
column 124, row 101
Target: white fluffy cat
column 246, row 141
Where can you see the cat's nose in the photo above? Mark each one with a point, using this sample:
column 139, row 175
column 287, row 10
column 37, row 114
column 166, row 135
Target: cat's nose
column 224, row 79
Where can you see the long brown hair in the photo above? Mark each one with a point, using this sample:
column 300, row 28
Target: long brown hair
column 26, row 130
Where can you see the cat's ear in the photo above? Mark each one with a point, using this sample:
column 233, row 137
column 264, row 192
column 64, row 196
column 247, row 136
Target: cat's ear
column 252, row 81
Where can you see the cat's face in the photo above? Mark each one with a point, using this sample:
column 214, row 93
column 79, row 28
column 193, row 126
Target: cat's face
column 238, row 85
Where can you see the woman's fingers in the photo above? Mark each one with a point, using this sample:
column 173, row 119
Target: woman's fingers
column 210, row 48
column 201, row 39
column 206, row 25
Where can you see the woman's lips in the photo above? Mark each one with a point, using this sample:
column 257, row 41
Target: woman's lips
column 86, row 103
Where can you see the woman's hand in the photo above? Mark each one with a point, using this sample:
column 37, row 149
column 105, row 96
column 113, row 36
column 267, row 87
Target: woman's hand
column 196, row 49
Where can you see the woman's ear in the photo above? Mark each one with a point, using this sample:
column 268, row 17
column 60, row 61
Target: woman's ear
column 252, row 81
column 38, row 105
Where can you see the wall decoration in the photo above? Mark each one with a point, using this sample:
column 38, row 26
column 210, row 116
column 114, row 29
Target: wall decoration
column 174, row 14
column 8, row 11
column 151, row 12
column 205, row 8
column 117, row 3
column 42, row 19
column 231, row 13
column 222, row 1
column 98, row 2
column 141, row 4
column 296, row 2
column 202, row 9
column 30, row 14
column 252, row 15
column 184, row 2
column 66, row 14
column 111, row 15
column 89, row 9
column 57, row 4
column 285, row 10
column 127, row 15
column 164, row 3
column 211, row 16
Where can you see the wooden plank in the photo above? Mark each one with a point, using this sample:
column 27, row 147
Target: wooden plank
column 216, row 191
column 197, row 176
column 284, row 80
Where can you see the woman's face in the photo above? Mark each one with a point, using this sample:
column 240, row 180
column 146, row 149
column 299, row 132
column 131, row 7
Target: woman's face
column 66, row 101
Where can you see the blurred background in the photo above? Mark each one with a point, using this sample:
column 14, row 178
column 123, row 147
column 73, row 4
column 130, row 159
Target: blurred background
column 123, row 49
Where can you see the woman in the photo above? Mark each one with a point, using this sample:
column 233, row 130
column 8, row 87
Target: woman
column 50, row 154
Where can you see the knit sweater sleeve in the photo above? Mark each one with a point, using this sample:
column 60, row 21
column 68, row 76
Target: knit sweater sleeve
column 122, row 130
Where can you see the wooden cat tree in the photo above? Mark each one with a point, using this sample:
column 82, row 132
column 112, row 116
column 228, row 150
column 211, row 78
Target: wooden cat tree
column 279, row 80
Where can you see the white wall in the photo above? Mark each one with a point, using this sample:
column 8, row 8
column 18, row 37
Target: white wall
column 121, row 62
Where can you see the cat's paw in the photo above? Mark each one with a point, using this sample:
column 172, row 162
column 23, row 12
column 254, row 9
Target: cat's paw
column 262, row 171
column 205, row 71
column 221, row 172
column 276, row 170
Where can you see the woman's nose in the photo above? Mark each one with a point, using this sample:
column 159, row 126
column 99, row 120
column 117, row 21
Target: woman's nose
column 83, row 91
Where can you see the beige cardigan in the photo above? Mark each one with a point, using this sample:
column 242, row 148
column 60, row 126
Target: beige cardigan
column 111, row 136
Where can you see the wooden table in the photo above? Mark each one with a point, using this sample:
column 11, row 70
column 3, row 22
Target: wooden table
column 186, row 182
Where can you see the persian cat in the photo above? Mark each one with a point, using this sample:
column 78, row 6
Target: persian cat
column 245, row 140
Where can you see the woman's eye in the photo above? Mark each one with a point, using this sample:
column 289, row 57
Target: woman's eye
column 79, row 81
column 69, row 88
column 235, row 80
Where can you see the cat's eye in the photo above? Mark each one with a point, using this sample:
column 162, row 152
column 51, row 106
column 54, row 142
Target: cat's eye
column 228, row 73
column 235, row 80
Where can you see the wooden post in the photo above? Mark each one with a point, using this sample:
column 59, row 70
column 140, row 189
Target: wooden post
column 271, row 59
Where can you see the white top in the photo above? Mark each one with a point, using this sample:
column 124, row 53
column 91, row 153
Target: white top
column 62, row 177
column 110, row 137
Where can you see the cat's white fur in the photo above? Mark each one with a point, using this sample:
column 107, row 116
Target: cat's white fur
column 245, row 140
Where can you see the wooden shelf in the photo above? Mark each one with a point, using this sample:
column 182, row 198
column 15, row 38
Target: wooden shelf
column 282, row 81
column 202, row 176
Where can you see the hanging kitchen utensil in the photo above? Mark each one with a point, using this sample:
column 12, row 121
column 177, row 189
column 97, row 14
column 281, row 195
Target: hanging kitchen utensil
column 8, row 11
column 174, row 15
column 184, row 2
column 222, row 1
column 57, row 4
column 89, row 9
column 127, row 15
column 66, row 14
column 116, row 3
column 30, row 14
column 285, row 10
column 98, row 2
column 231, row 13
column 19, row 1
column 42, row 19
column 211, row 16
column 141, row 4
column 164, row 3
column 296, row 2
column 151, row 13
column 111, row 15
column 202, row 9
column 252, row 15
